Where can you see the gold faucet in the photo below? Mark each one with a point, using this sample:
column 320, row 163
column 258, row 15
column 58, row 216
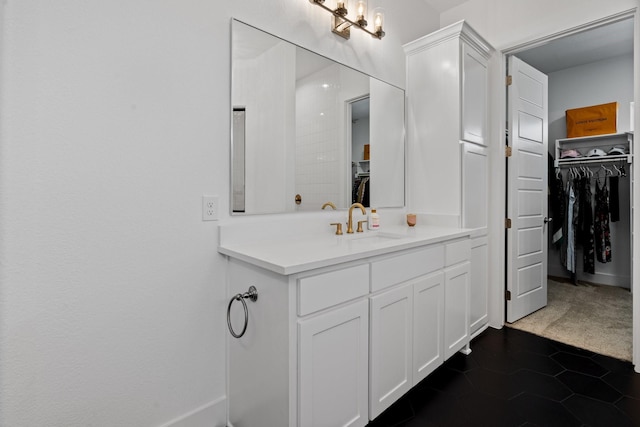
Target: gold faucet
column 329, row 204
column 350, row 223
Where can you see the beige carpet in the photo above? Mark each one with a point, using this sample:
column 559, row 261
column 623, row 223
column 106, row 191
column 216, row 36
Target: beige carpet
column 588, row 316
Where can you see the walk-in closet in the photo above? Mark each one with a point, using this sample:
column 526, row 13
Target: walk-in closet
column 590, row 187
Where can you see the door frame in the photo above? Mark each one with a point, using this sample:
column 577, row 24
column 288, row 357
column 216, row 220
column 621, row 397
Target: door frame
column 497, row 198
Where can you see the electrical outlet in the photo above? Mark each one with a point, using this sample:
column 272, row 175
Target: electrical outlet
column 210, row 205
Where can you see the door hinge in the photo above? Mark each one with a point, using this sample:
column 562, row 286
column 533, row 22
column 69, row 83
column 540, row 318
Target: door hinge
column 507, row 223
column 507, row 151
column 509, row 80
column 507, row 295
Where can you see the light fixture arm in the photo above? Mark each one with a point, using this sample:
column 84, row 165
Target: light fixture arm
column 342, row 24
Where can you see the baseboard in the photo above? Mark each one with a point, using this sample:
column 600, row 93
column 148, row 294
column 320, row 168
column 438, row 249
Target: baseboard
column 213, row 414
column 596, row 279
column 480, row 330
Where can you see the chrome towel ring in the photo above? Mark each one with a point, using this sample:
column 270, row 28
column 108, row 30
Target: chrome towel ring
column 252, row 294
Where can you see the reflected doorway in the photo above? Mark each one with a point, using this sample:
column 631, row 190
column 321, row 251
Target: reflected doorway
column 360, row 160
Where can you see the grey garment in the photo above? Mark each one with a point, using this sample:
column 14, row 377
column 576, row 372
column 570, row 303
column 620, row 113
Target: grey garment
column 565, row 228
column 572, row 215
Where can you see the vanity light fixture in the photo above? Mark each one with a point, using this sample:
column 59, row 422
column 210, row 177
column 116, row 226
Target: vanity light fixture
column 341, row 24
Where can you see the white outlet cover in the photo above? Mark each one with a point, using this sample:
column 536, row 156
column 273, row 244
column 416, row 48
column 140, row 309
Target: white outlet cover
column 210, row 208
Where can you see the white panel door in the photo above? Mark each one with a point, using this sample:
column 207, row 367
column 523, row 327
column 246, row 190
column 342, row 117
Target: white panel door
column 428, row 320
column 333, row 367
column 391, row 348
column 527, row 190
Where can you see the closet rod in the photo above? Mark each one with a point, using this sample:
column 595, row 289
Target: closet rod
column 592, row 161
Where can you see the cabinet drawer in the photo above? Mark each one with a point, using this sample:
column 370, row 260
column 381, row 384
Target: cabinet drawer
column 331, row 288
column 457, row 252
column 390, row 271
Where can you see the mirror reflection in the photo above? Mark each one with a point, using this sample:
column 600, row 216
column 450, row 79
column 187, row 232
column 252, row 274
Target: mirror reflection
column 307, row 130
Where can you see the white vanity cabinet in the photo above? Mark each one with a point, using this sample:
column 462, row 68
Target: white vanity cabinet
column 406, row 338
column 333, row 348
column 391, row 347
column 479, row 286
column 406, row 312
column 448, row 136
column 418, row 323
column 456, row 297
column 303, row 360
column 332, row 367
column 338, row 344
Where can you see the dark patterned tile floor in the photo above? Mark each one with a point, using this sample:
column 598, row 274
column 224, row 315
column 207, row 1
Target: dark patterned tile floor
column 514, row 378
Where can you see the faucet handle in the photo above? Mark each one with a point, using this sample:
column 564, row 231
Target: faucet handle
column 338, row 227
column 359, row 230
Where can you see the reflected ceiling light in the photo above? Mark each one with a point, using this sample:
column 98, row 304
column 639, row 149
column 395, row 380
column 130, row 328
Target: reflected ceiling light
column 341, row 24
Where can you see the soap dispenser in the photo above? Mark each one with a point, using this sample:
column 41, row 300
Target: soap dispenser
column 373, row 220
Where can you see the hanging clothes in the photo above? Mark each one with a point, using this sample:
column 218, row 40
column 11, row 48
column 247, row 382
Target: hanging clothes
column 360, row 192
column 587, row 237
column 557, row 205
column 601, row 223
column 614, row 199
column 565, row 226
column 572, row 210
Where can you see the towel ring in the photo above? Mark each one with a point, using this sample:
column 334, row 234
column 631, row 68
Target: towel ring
column 252, row 294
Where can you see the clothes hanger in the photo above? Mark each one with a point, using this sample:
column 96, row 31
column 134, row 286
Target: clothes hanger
column 617, row 170
column 608, row 172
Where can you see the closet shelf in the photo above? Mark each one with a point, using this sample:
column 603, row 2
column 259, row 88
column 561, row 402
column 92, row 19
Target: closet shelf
column 586, row 143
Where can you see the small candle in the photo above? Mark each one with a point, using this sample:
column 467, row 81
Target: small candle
column 411, row 219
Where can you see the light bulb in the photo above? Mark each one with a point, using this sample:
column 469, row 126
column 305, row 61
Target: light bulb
column 378, row 21
column 362, row 9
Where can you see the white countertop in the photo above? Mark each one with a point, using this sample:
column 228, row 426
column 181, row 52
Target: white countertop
column 292, row 255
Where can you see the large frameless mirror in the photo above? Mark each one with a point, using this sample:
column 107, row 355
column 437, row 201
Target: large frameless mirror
column 307, row 130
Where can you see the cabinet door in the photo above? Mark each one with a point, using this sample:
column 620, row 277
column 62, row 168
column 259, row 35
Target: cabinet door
column 333, row 367
column 391, row 347
column 475, row 186
column 474, row 96
column 456, row 308
column 428, row 319
column 479, row 285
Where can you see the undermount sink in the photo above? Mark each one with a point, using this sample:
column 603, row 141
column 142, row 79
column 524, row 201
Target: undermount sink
column 374, row 237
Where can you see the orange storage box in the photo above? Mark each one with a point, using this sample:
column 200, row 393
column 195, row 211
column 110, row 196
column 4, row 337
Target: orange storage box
column 595, row 120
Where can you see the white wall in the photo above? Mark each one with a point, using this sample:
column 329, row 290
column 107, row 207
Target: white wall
column 600, row 82
column 360, row 137
column 505, row 23
column 115, row 121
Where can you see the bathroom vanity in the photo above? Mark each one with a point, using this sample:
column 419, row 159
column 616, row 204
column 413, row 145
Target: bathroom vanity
column 343, row 325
